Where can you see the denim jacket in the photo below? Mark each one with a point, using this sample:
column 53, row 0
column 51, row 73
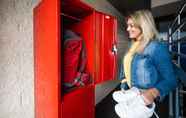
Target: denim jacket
column 152, row 69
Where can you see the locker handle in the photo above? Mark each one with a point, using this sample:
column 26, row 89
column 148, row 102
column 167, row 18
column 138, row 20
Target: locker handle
column 114, row 49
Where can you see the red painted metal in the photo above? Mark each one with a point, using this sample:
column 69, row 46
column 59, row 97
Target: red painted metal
column 106, row 38
column 76, row 8
column 99, row 32
column 79, row 103
column 86, row 29
column 47, row 59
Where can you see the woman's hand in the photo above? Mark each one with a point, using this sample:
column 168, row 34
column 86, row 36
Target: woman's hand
column 150, row 95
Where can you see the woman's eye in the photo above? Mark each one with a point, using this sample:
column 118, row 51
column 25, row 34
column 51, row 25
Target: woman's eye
column 132, row 25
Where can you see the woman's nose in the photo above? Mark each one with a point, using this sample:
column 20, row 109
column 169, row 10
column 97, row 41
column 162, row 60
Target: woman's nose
column 128, row 28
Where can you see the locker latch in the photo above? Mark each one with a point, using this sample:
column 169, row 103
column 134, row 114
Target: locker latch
column 114, row 49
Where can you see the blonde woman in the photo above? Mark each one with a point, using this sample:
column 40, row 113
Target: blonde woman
column 147, row 69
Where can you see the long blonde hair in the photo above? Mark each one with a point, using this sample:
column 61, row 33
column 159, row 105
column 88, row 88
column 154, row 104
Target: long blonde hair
column 144, row 20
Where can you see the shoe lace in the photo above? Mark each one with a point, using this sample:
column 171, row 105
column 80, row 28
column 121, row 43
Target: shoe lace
column 156, row 114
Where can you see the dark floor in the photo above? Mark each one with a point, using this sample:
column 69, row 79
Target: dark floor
column 105, row 109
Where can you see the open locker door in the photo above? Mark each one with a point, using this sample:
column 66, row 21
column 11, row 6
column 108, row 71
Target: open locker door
column 106, row 40
column 47, row 59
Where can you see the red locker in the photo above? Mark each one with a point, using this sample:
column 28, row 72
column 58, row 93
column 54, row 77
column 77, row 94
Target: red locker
column 98, row 30
column 76, row 16
column 105, row 46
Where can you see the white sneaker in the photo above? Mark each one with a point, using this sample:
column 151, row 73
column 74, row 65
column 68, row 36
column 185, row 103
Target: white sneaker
column 125, row 95
column 136, row 109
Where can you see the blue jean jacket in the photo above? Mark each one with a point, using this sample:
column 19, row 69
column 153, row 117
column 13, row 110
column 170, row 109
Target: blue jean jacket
column 152, row 69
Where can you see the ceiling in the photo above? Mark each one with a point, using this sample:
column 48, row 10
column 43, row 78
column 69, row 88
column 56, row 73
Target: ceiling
column 125, row 6
column 167, row 9
column 159, row 8
column 155, row 3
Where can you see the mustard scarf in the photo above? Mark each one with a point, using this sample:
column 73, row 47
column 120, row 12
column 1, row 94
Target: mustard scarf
column 127, row 62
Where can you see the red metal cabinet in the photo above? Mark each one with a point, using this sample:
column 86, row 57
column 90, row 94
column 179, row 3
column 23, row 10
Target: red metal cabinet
column 79, row 103
column 47, row 59
column 99, row 32
column 78, row 17
column 105, row 41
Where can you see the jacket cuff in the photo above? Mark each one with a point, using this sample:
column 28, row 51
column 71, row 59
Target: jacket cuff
column 161, row 94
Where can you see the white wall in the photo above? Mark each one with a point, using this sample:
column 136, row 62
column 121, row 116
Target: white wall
column 16, row 59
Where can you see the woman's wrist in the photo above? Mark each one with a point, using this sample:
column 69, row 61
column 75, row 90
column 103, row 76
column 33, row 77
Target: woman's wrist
column 154, row 92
